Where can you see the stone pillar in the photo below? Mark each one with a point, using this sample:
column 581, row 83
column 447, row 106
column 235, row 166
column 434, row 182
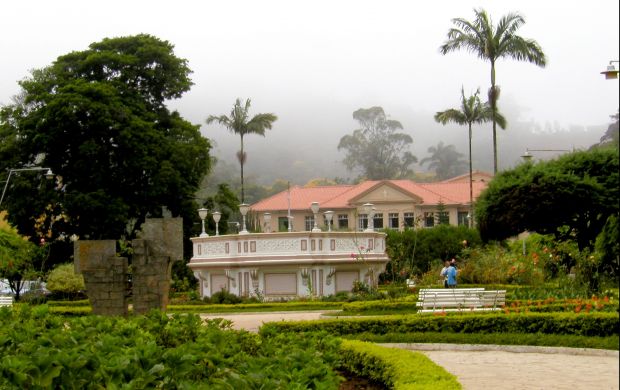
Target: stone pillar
column 105, row 275
column 159, row 245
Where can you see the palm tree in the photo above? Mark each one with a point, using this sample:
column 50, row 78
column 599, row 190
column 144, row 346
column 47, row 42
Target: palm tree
column 491, row 43
column 238, row 123
column 445, row 160
column 472, row 111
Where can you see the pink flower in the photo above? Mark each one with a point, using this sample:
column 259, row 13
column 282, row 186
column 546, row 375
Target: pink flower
column 353, row 255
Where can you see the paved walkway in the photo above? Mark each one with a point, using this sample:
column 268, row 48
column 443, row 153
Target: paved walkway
column 491, row 366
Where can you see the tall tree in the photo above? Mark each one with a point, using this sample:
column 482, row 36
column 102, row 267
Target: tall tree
column 571, row 197
column 17, row 259
column 491, row 43
column 239, row 123
column 376, row 149
column 98, row 118
column 472, row 111
column 444, row 160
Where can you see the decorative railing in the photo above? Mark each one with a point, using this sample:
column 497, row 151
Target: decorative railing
column 293, row 243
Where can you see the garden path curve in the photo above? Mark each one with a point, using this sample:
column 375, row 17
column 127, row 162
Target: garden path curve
column 490, row 367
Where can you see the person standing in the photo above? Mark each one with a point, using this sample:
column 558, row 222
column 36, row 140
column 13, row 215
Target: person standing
column 444, row 273
column 451, row 274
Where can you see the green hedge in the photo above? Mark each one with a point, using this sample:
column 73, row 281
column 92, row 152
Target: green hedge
column 360, row 307
column 256, row 307
column 534, row 339
column 41, row 350
column 396, row 368
column 593, row 324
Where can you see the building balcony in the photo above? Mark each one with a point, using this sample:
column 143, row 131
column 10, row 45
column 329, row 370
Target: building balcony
column 289, row 264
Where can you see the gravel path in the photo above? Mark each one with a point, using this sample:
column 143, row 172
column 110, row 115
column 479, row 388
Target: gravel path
column 490, row 367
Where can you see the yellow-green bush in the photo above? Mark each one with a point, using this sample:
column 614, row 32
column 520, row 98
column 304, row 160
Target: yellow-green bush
column 399, row 369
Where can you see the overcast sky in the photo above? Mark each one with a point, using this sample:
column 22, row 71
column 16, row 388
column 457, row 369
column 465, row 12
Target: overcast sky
column 303, row 59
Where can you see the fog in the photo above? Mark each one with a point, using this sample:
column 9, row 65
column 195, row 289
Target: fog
column 313, row 63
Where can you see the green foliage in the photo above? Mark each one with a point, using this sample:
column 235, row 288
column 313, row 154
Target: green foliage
column 240, row 123
column 376, row 150
column 396, row 368
column 610, row 140
column 98, row 117
column 592, row 324
column 413, row 251
column 547, row 340
column 63, row 280
column 225, row 297
column 607, row 248
column 41, row 350
column 492, row 43
column 445, row 161
column 570, row 197
column 17, row 257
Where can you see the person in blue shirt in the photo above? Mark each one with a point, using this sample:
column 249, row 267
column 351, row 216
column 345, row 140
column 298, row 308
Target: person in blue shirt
column 451, row 274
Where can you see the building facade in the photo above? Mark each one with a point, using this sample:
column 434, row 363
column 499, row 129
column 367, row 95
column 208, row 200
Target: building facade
column 286, row 265
column 397, row 204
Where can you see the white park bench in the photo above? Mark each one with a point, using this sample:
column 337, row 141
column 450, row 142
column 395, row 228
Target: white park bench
column 460, row 299
column 6, row 301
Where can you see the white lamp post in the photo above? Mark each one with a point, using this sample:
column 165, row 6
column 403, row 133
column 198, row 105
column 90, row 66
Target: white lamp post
column 216, row 218
column 328, row 216
column 48, row 175
column 202, row 213
column 243, row 208
column 370, row 213
column 267, row 219
column 314, row 206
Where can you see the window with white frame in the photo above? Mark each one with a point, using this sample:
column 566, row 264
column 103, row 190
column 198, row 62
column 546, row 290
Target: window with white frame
column 443, row 218
column 377, row 221
column 429, row 219
column 393, row 220
column 362, row 221
column 409, row 220
column 343, row 221
column 463, row 218
column 309, row 222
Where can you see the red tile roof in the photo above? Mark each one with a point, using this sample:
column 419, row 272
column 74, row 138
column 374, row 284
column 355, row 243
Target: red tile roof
column 340, row 196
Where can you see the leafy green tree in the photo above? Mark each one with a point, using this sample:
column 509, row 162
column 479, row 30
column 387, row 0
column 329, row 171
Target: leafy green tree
column 239, row 122
column 490, row 43
column 376, row 149
column 607, row 246
column 610, row 139
column 64, row 281
column 472, row 111
column 445, row 161
column 570, row 197
column 442, row 216
column 412, row 251
column 17, row 258
column 98, row 118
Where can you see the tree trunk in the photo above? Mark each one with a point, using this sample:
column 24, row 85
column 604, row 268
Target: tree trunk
column 470, row 221
column 494, row 108
column 241, row 161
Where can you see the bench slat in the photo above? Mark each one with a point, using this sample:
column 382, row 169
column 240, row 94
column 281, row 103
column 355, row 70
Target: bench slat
column 460, row 299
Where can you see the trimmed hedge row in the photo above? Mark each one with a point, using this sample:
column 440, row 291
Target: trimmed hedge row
column 396, row 368
column 259, row 307
column 593, row 324
column 534, row 339
column 547, row 306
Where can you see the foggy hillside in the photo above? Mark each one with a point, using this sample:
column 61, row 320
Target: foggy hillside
column 303, row 143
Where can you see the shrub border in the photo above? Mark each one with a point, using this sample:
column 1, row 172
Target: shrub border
column 396, row 368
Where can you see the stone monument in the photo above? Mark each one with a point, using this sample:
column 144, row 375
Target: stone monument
column 159, row 244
